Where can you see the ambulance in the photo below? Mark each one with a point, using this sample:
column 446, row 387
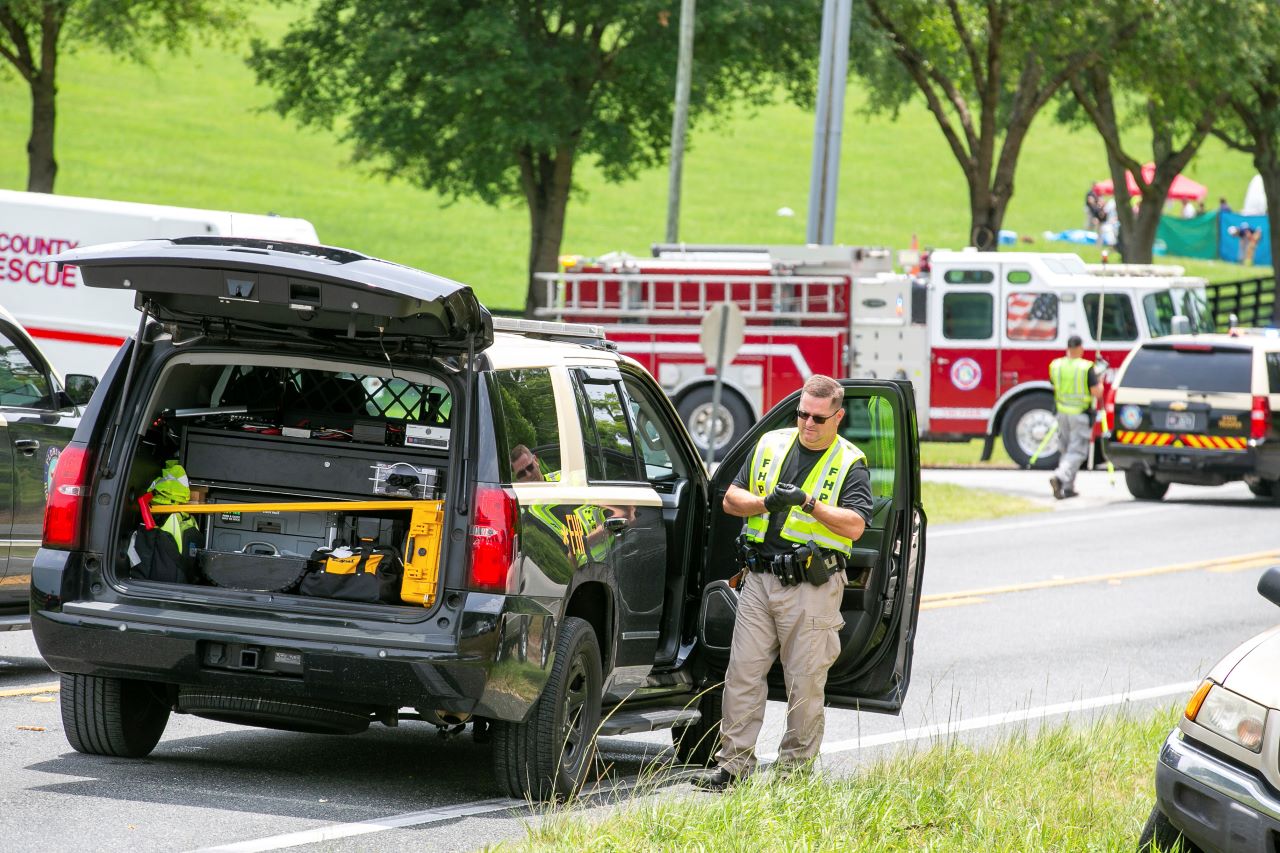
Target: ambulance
column 77, row 328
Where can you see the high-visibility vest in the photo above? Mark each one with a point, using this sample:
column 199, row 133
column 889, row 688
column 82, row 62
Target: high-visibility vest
column 825, row 481
column 172, row 486
column 1070, row 378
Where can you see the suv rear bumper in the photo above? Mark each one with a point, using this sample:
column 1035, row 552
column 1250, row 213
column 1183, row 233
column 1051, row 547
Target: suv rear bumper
column 1189, row 465
column 1217, row 805
column 484, row 656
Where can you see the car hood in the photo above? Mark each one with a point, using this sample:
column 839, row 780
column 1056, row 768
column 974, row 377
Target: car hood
column 290, row 290
column 1250, row 669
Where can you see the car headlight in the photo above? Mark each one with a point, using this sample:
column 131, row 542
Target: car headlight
column 1236, row 718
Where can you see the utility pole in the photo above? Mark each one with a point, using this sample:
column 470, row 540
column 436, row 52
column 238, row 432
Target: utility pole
column 833, row 70
column 680, row 118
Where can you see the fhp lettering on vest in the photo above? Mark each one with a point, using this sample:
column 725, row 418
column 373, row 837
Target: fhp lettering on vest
column 22, row 260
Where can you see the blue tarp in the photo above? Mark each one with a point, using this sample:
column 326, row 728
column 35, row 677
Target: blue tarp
column 1229, row 242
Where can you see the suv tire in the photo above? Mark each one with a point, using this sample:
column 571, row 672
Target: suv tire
column 699, row 742
column 1021, row 418
column 1160, row 833
column 1143, row 486
column 309, row 716
column 548, row 756
column 112, row 716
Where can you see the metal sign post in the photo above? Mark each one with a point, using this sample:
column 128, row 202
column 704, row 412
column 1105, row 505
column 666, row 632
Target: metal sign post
column 723, row 330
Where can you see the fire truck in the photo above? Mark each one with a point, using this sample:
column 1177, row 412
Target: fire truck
column 974, row 333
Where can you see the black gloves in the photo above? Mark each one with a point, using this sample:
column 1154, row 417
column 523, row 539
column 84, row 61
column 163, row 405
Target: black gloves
column 784, row 495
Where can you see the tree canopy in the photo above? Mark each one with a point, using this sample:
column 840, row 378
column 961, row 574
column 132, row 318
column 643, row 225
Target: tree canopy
column 499, row 100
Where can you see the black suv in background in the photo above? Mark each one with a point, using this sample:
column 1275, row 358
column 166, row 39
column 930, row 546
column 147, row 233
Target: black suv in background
column 565, row 553
column 38, row 413
column 1198, row 409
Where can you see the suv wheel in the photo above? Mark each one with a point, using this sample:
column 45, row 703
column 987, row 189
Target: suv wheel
column 1160, row 834
column 1143, row 486
column 548, row 756
column 112, row 716
column 1269, row 489
column 699, row 742
column 1023, row 432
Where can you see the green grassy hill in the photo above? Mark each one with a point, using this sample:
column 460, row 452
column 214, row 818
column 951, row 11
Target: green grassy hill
column 193, row 130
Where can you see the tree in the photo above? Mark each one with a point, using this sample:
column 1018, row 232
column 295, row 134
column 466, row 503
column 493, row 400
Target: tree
column 34, row 34
column 1251, row 122
column 499, row 100
column 986, row 68
column 1172, row 75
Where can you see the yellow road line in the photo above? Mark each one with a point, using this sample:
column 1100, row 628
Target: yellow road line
column 34, row 690
column 1258, row 560
column 950, row 602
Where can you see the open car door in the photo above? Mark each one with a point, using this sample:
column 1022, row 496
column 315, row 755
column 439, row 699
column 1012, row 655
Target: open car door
column 882, row 597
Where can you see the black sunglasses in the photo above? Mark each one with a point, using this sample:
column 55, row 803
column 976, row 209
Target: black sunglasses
column 801, row 415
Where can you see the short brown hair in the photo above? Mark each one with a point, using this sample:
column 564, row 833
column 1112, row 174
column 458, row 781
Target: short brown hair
column 823, row 387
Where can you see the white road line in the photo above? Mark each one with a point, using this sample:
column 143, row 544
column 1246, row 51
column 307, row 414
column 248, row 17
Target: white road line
column 1063, row 518
column 364, row 827
column 995, row 720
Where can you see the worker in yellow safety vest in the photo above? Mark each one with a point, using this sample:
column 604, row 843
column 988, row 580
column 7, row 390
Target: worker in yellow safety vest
column 1076, row 388
column 795, row 545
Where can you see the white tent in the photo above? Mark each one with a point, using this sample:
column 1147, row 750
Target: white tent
column 1255, row 198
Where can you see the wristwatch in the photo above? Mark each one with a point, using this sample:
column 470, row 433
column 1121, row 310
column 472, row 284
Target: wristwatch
column 809, row 504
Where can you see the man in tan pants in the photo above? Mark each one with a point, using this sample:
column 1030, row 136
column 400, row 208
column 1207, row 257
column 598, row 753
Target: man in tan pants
column 797, row 539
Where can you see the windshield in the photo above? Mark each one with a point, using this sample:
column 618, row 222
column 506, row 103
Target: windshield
column 1181, row 367
column 1190, row 302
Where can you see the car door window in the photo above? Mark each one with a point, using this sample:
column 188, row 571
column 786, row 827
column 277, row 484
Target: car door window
column 868, row 423
column 22, row 382
column 529, row 433
column 967, row 316
column 606, row 434
column 1118, row 322
column 653, row 434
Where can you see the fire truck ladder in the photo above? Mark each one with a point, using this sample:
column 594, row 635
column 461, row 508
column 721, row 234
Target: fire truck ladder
column 637, row 296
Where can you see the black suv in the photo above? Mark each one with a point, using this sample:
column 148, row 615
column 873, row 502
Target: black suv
column 565, row 555
column 37, row 417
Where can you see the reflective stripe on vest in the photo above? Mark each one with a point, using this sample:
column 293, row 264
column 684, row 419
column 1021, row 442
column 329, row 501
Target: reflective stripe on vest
column 1070, row 378
column 177, row 524
column 172, row 486
column 825, row 482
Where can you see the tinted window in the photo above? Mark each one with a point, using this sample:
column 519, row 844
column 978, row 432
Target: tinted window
column 967, row 316
column 653, row 433
column 1273, row 372
column 1161, row 307
column 868, row 423
column 529, row 450
column 1118, row 322
column 1209, row 369
column 611, row 454
column 1031, row 316
column 969, row 277
column 21, row 382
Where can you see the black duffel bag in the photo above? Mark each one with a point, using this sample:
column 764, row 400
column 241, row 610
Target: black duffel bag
column 371, row 574
column 258, row 567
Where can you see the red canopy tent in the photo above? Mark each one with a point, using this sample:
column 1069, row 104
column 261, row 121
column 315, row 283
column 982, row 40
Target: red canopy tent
column 1183, row 189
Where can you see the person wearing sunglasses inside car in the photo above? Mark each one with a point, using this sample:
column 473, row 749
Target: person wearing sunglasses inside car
column 805, row 493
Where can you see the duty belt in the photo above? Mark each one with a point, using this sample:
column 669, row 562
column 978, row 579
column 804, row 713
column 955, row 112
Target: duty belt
column 805, row 563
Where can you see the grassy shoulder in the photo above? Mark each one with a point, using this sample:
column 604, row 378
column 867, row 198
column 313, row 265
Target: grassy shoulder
column 962, row 454
column 1071, row 787
column 945, row 503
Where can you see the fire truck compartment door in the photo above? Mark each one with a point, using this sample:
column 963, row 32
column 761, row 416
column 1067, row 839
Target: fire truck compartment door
column 289, row 289
column 881, row 598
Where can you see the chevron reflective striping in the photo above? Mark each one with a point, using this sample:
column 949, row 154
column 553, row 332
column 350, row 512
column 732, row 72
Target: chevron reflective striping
column 1213, row 442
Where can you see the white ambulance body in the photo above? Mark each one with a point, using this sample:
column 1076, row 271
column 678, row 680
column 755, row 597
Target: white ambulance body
column 80, row 328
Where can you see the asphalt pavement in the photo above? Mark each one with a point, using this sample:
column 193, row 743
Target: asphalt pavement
column 1105, row 605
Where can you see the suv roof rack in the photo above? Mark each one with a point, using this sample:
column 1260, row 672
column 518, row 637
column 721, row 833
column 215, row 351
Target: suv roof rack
column 547, row 330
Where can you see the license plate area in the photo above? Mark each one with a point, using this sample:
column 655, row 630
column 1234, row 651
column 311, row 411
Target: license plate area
column 243, row 657
column 1180, row 420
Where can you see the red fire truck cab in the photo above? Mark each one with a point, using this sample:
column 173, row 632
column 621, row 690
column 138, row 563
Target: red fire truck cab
column 974, row 336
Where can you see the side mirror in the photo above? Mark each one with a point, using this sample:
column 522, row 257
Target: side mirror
column 1269, row 585
column 80, row 387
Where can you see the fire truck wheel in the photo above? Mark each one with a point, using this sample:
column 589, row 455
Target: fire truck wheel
column 735, row 418
column 1026, row 424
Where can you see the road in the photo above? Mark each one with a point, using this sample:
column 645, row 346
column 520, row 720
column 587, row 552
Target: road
column 1102, row 606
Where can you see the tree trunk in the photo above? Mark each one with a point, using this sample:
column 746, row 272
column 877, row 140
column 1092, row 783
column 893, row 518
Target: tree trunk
column 986, row 215
column 42, row 168
column 546, row 178
column 1270, row 172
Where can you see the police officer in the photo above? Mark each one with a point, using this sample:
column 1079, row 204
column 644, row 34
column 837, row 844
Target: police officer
column 1075, row 388
column 798, row 539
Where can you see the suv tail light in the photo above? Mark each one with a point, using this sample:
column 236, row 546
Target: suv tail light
column 1260, row 418
column 494, row 523
column 65, row 509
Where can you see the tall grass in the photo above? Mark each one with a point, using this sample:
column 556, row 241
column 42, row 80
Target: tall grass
column 1070, row 787
column 195, row 130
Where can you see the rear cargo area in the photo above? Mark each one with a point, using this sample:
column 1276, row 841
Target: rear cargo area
column 290, row 477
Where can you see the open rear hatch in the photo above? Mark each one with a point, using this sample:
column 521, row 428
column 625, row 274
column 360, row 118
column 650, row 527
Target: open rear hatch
column 290, row 290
